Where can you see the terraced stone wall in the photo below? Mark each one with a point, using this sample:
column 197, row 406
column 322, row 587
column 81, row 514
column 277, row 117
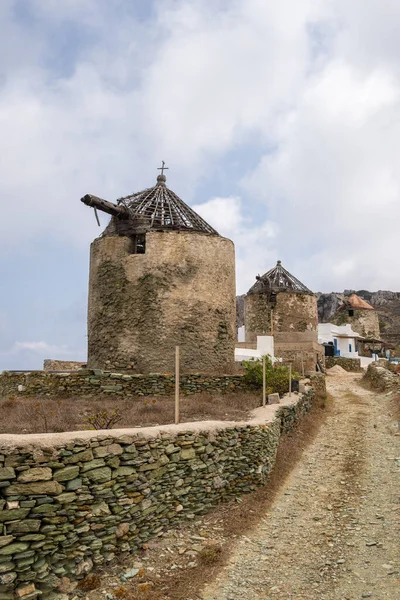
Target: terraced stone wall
column 318, row 383
column 62, row 365
column 381, row 379
column 70, row 502
column 348, row 364
column 95, row 382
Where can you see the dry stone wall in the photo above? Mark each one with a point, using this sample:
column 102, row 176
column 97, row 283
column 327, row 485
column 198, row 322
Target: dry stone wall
column 318, row 383
column 90, row 383
column 72, row 502
column 50, row 364
column 348, row 364
column 301, row 355
column 381, row 379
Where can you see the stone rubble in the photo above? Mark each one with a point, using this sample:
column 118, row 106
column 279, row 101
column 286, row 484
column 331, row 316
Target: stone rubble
column 381, row 379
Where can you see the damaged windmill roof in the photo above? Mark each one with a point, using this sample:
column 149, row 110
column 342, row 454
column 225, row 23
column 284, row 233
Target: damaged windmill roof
column 159, row 208
column 356, row 302
column 278, row 279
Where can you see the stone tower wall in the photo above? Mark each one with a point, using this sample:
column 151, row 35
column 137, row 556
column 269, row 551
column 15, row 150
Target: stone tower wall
column 257, row 316
column 180, row 292
column 365, row 322
column 293, row 312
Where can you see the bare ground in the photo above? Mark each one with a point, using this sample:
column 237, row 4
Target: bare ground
column 333, row 532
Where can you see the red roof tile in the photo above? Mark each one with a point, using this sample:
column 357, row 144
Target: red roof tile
column 356, row 302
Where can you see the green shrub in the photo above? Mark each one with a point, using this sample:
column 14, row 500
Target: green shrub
column 277, row 377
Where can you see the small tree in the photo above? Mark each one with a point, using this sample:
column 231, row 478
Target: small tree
column 104, row 419
column 46, row 414
column 277, row 377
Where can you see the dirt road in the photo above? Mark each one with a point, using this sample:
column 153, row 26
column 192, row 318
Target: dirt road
column 333, row 532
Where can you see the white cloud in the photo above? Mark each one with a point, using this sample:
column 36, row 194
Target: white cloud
column 255, row 245
column 334, row 184
column 229, row 74
column 213, row 78
column 225, row 214
column 42, row 348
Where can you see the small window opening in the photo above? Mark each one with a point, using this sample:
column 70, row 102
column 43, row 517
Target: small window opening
column 351, row 312
column 272, row 298
column 138, row 245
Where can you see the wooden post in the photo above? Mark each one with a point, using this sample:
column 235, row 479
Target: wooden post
column 264, row 397
column 290, row 379
column 272, row 321
column 302, row 365
column 176, row 385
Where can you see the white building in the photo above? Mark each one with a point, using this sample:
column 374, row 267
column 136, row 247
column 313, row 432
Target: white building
column 265, row 345
column 343, row 338
column 241, row 334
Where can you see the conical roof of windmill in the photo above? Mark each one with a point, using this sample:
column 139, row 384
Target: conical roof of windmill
column 155, row 208
column 278, row 279
column 356, row 302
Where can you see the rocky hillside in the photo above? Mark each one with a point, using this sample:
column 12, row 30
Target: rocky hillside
column 386, row 303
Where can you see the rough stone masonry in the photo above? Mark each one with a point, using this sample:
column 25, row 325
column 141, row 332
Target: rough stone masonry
column 93, row 383
column 72, row 501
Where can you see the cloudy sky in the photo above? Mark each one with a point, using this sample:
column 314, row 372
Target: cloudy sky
column 280, row 122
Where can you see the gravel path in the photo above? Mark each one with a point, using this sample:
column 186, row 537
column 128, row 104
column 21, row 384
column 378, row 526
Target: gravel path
column 333, row 532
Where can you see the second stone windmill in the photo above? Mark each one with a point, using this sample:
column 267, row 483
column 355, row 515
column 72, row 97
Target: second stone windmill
column 160, row 276
column 279, row 305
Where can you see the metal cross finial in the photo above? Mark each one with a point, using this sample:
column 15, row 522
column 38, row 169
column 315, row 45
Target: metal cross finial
column 162, row 169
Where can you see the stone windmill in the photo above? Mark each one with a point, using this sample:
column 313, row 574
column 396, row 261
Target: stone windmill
column 279, row 304
column 160, row 276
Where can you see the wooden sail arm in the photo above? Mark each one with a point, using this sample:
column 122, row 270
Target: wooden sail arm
column 108, row 207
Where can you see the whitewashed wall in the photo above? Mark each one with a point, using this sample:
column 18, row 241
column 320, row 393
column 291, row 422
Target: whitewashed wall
column 265, row 345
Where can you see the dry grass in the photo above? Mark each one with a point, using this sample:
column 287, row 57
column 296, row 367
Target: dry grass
column 144, row 591
column 122, row 593
column 211, row 554
column 45, row 415
column 325, row 402
column 91, row 582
